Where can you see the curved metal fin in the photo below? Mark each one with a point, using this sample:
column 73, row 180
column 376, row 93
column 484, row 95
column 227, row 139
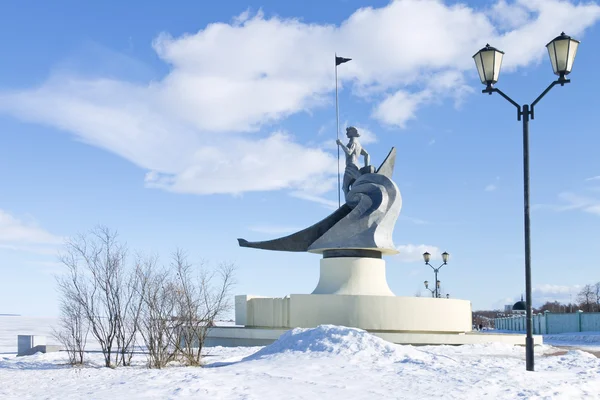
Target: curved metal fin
column 387, row 166
column 300, row 241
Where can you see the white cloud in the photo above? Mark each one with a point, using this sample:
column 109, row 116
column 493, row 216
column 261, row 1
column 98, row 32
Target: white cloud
column 550, row 289
column 204, row 127
column 413, row 253
column 594, row 178
column 571, row 201
column 276, row 162
column 549, row 292
column 45, row 250
column 545, row 293
column 366, row 135
column 26, row 236
column 509, row 16
column 327, row 203
column 14, row 231
column 397, row 109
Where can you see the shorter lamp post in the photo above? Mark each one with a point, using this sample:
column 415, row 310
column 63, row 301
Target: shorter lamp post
column 433, row 291
column 427, row 257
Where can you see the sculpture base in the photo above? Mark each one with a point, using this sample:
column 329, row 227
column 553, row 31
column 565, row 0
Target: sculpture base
column 353, row 276
column 353, row 292
column 378, row 313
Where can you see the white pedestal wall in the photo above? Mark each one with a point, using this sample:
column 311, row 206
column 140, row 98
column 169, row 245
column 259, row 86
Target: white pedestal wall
column 381, row 313
column 353, row 292
column 241, row 308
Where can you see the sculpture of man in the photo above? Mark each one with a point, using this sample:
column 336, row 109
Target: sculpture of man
column 353, row 152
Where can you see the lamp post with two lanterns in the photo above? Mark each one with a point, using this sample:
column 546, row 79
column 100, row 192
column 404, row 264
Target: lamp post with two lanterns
column 426, row 256
column 562, row 51
column 433, row 291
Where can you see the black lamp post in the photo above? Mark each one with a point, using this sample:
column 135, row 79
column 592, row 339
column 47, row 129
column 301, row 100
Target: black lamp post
column 426, row 256
column 435, row 290
column 562, row 51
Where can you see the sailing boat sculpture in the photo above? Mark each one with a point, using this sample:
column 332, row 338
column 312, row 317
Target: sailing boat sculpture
column 363, row 226
column 352, row 289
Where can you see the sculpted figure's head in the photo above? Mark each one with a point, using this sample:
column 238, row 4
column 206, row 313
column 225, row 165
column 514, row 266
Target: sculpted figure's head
column 352, row 132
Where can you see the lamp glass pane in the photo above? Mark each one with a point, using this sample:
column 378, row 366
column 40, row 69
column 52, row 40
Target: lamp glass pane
column 552, row 55
column 426, row 257
column 562, row 52
column 572, row 52
column 445, row 257
column 497, row 64
column 479, row 66
column 488, row 65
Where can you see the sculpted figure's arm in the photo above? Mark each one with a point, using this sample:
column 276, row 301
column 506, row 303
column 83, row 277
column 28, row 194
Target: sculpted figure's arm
column 347, row 150
column 367, row 157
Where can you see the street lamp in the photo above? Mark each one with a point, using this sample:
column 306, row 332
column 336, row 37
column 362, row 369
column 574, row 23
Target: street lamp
column 562, row 51
column 426, row 256
column 433, row 291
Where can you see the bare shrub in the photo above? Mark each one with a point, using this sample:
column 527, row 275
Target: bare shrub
column 157, row 313
column 73, row 330
column 200, row 300
column 172, row 307
column 99, row 282
column 128, row 299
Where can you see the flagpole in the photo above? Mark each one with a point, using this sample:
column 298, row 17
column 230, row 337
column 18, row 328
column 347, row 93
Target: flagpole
column 337, row 131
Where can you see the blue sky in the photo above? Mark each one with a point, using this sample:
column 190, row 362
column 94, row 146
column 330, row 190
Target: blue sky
column 192, row 125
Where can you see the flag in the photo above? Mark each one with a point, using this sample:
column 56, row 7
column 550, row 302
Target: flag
column 341, row 60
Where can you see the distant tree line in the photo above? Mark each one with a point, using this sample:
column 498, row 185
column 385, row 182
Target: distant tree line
column 587, row 300
column 128, row 303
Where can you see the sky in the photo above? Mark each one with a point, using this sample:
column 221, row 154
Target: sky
column 190, row 125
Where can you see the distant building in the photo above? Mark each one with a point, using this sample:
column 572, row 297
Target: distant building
column 520, row 307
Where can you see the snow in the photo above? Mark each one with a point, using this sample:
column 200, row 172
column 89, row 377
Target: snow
column 327, row 362
column 575, row 337
column 12, row 326
column 329, row 340
column 590, row 339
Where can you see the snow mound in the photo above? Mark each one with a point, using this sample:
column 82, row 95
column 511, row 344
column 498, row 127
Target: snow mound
column 579, row 354
column 334, row 341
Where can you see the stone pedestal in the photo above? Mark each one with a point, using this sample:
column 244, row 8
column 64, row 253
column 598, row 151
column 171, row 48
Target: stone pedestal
column 353, row 276
column 353, row 291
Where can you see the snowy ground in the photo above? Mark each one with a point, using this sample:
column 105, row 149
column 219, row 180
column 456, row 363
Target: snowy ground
column 588, row 340
column 323, row 363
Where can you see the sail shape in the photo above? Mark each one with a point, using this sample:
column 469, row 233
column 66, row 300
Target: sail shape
column 303, row 240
